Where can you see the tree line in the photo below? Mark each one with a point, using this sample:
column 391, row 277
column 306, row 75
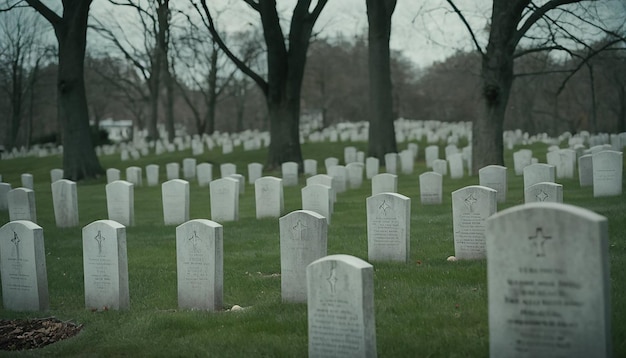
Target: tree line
column 185, row 71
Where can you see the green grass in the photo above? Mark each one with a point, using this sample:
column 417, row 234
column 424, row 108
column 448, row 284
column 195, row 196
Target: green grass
column 427, row 307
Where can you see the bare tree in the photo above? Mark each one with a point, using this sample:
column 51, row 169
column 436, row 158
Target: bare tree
column 150, row 57
column 21, row 53
column 382, row 137
column 286, row 59
column 511, row 22
column 79, row 157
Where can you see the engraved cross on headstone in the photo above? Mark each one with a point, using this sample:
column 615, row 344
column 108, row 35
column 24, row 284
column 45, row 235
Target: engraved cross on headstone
column 16, row 241
column 470, row 201
column 542, row 196
column 332, row 278
column 194, row 241
column 99, row 239
column 538, row 241
column 384, row 207
column 299, row 229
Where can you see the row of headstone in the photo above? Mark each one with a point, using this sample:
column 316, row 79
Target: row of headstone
column 548, row 275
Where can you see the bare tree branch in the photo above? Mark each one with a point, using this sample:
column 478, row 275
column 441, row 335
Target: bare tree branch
column 467, row 25
column 208, row 20
column 538, row 14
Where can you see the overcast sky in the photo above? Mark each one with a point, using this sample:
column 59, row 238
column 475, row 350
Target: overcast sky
column 425, row 31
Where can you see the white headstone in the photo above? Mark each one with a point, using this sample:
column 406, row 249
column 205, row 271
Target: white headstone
column 440, row 166
column 269, row 197
column 189, row 169
column 456, row 165
column 431, row 188
column 105, row 266
column 431, row 153
column 471, row 206
column 564, row 161
column 548, row 281
column 23, row 267
column 406, row 161
column 152, row 174
column 255, row 171
column 372, row 165
column 349, row 155
column 21, row 203
column 340, row 304
column 65, row 203
column 121, row 202
column 324, row 180
column 56, row 174
column 199, row 264
column 340, row 178
column 113, row 175
column 303, row 237
column 175, row 195
column 27, row 181
column 607, row 173
column 585, row 170
column 538, row 173
column 290, row 173
column 330, row 162
column 172, row 170
column 494, row 177
column 388, row 227
column 134, row 175
column 227, row 169
column 384, row 183
column 318, row 198
column 4, row 191
column 391, row 163
column 521, row 159
column 224, row 199
column 204, row 171
column 544, row 192
column 310, row 167
column 355, row 175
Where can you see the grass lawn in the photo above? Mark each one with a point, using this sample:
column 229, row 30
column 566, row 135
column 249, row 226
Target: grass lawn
column 428, row 307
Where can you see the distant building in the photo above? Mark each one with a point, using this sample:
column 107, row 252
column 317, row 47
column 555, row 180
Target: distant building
column 119, row 131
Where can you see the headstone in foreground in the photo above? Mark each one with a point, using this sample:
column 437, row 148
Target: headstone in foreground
column 199, row 263
column 494, row 177
column 388, row 227
column 431, row 188
column 121, row 202
column 471, row 206
column 269, row 198
column 607, row 173
column 23, row 267
column 224, row 199
column 175, row 197
column 21, row 203
column 548, row 281
column 65, row 202
column 105, row 266
column 340, row 305
column 303, row 239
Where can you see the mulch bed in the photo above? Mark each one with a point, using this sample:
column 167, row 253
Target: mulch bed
column 19, row 334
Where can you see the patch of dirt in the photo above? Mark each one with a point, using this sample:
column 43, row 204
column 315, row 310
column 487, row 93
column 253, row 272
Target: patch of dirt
column 22, row 334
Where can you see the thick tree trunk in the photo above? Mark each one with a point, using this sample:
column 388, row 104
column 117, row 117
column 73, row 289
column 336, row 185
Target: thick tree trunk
column 284, row 132
column 212, row 95
column 79, row 157
column 169, row 102
column 497, row 80
column 382, row 138
column 153, row 131
column 621, row 120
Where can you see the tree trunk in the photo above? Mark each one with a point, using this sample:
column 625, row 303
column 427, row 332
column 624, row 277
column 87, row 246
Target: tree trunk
column 169, row 102
column 284, row 132
column 382, row 137
column 497, row 80
column 153, row 131
column 79, row 157
column 621, row 120
column 212, row 95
